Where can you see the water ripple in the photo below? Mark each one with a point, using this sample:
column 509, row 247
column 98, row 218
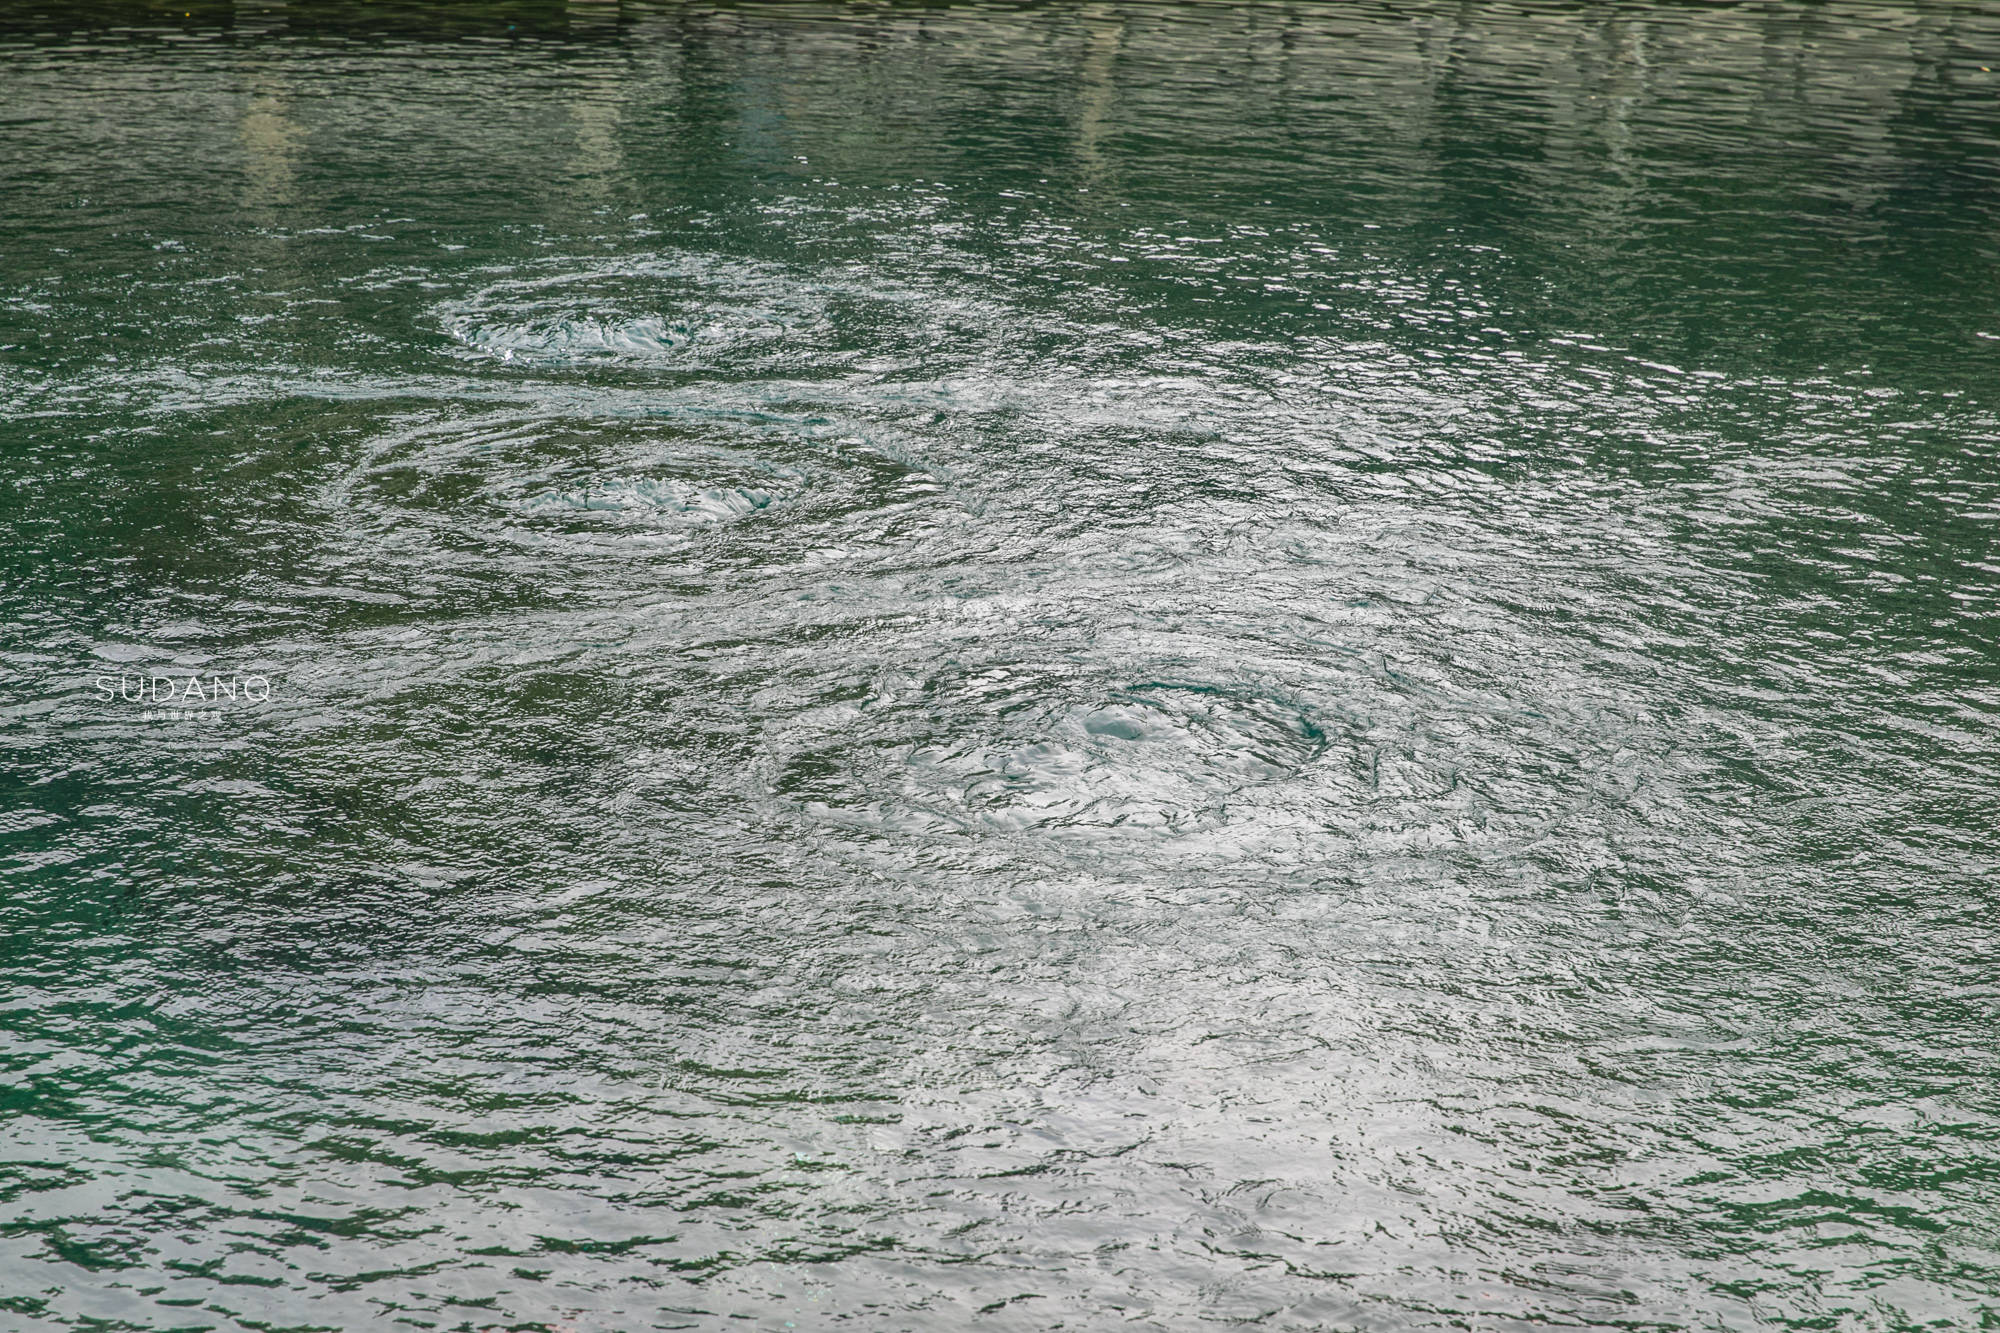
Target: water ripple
column 1166, row 666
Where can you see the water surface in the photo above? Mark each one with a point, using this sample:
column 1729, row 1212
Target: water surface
column 1300, row 666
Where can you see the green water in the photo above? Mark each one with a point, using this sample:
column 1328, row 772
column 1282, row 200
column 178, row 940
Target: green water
column 921, row 667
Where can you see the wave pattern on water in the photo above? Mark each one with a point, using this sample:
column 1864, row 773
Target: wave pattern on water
column 1165, row 667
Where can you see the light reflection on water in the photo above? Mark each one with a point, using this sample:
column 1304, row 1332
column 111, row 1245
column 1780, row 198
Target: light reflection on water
column 1171, row 666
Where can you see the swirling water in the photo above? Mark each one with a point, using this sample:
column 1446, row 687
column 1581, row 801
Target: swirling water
column 932, row 667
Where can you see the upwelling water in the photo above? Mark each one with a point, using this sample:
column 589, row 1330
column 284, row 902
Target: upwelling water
column 931, row 668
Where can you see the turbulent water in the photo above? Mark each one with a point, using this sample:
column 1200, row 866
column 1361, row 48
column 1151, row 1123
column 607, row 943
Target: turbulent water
column 1321, row 667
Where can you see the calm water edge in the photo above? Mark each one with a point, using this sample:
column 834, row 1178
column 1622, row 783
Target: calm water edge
column 920, row 667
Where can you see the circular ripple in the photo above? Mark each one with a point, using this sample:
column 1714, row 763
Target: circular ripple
column 660, row 311
column 522, row 493
column 1149, row 761
column 553, row 475
column 574, row 336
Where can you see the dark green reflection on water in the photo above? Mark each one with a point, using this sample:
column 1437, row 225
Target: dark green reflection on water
column 1321, row 666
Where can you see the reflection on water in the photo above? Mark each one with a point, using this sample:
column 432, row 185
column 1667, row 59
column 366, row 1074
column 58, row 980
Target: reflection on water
column 271, row 143
column 1314, row 666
